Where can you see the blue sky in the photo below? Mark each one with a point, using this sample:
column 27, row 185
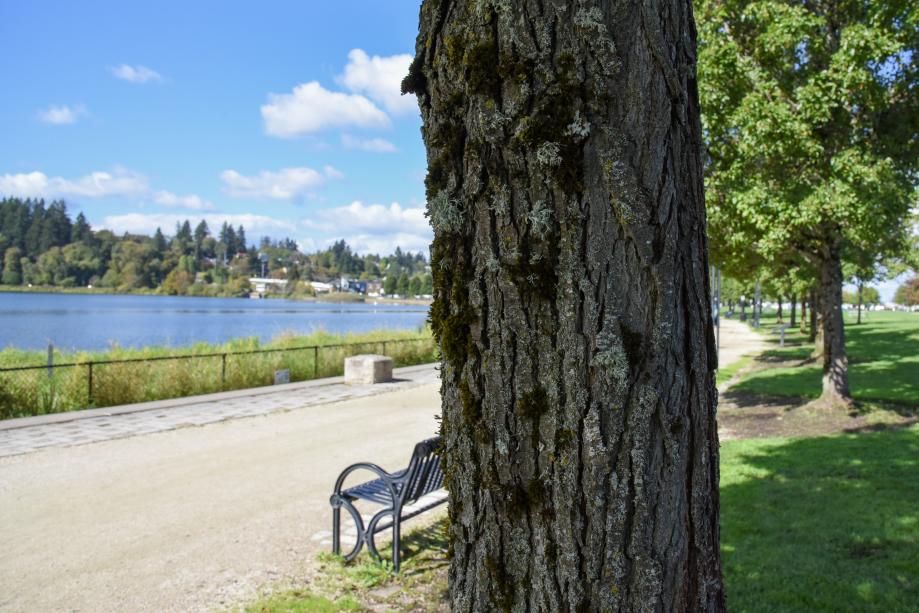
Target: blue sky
column 282, row 116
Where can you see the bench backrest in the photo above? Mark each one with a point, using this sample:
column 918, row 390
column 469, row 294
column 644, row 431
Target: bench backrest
column 424, row 475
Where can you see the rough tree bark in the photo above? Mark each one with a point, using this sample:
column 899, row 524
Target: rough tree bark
column 832, row 335
column 571, row 304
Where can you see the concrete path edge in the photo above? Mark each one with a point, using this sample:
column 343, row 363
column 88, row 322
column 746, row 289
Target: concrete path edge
column 67, row 416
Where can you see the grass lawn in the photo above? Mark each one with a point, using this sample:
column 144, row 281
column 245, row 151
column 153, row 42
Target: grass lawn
column 808, row 524
column 822, row 524
column 883, row 361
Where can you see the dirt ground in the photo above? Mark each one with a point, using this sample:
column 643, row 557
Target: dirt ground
column 194, row 519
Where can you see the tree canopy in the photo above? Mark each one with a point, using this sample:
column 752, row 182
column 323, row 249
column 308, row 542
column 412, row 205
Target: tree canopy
column 811, row 124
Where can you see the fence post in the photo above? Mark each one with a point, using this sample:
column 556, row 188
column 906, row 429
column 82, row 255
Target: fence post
column 89, row 383
column 50, row 359
column 384, row 348
column 315, row 361
column 223, row 371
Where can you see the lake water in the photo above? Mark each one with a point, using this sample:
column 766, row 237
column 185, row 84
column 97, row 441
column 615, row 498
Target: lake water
column 91, row 322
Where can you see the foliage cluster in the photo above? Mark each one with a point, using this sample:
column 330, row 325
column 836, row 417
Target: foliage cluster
column 40, row 245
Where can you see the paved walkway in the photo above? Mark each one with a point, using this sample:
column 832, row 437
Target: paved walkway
column 82, row 427
column 737, row 340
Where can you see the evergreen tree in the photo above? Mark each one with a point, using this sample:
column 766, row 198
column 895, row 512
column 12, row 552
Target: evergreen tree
column 241, row 239
column 81, row 231
column 232, row 242
column 159, row 242
column 57, row 228
column 201, row 233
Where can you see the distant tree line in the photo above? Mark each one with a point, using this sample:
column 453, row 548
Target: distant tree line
column 41, row 245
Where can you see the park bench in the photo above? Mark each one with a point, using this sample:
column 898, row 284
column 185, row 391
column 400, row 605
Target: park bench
column 399, row 493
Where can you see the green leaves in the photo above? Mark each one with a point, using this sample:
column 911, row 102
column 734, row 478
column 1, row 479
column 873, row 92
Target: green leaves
column 798, row 103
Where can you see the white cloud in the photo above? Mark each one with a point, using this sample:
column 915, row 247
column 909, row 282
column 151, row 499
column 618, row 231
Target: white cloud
column 374, row 228
column 141, row 223
column 371, row 219
column 311, row 108
column 120, row 182
column 375, row 145
column 284, row 184
column 60, row 115
column 136, row 74
column 387, row 243
column 380, row 78
column 191, row 202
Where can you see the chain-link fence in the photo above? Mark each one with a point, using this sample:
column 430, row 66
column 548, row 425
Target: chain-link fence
column 53, row 388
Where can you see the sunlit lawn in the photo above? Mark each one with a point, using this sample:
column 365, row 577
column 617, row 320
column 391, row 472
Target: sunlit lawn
column 822, row 524
column 883, row 354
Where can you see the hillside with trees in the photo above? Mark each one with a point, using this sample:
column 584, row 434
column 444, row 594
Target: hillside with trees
column 42, row 246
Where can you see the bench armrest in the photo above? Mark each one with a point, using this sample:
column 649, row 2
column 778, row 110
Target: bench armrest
column 390, row 479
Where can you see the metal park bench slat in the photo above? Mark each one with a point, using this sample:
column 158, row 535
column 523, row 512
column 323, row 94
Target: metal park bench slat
column 394, row 491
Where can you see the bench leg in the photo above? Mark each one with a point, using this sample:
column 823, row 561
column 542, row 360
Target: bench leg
column 336, row 530
column 337, row 503
column 396, row 532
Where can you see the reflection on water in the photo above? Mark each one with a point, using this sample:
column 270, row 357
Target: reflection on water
column 86, row 321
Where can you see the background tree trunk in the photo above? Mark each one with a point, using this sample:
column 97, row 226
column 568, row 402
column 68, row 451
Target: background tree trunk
column 778, row 315
column 835, row 362
column 791, row 318
column 803, row 313
column 861, row 287
column 815, row 309
column 571, row 304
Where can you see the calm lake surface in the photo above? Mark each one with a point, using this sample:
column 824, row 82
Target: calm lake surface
column 92, row 322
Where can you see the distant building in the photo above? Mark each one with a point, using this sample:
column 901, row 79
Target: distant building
column 352, row 285
column 261, row 285
column 321, row 288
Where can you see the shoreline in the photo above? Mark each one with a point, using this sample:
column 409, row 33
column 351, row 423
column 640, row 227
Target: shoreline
column 337, row 298
column 12, row 357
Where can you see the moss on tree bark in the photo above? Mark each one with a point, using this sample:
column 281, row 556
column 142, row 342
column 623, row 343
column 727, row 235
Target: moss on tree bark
column 571, row 304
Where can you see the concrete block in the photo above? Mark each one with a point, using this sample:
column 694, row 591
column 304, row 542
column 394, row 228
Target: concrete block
column 368, row 369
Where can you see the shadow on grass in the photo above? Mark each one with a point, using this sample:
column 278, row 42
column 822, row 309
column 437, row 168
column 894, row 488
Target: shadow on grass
column 826, row 524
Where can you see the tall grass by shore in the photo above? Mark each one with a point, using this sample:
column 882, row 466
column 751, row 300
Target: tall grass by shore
column 155, row 373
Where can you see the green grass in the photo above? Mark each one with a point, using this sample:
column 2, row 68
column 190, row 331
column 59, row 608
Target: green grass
column 34, row 392
column 366, row 585
column 298, row 601
column 808, row 524
column 822, row 524
column 725, row 374
column 883, row 362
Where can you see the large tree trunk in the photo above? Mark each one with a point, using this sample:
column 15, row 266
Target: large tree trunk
column 571, row 304
column 835, row 361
